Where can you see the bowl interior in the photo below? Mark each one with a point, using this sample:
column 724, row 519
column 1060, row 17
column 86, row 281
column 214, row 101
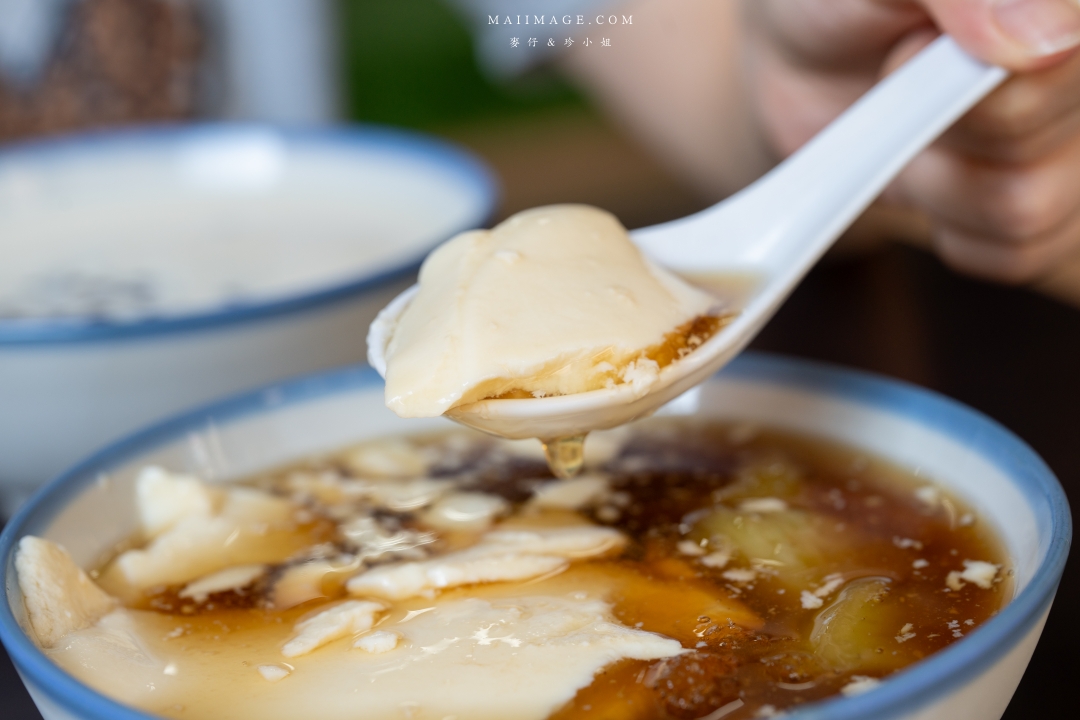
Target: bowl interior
column 197, row 218
column 91, row 508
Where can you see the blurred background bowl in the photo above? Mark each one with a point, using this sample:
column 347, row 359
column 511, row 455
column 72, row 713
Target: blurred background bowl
column 271, row 251
column 91, row 509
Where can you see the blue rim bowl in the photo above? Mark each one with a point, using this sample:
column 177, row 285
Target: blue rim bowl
column 908, row 691
column 462, row 167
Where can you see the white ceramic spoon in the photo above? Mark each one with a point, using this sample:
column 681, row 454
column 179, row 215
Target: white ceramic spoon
column 775, row 229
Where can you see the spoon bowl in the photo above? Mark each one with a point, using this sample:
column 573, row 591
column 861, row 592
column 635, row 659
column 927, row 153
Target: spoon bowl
column 775, row 229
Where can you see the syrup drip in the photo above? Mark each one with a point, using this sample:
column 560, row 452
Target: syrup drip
column 565, row 456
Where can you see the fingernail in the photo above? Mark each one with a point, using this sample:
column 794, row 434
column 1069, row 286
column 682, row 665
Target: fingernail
column 1044, row 27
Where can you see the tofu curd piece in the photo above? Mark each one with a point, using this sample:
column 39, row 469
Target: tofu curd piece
column 537, row 650
column 196, row 529
column 234, row 578
column 60, row 598
column 466, row 511
column 500, row 556
column 518, row 657
column 163, row 499
column 552, row 301
column 379, row 641
column 273, row 673
column 572, row 494
column 350, row 617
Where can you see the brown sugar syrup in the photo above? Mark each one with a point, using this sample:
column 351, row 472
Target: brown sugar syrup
column 753, row 643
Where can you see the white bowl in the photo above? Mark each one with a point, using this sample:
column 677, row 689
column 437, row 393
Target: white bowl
column 90, row 508
column 368, row 203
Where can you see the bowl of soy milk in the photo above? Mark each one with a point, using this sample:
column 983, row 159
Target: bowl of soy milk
column 148, row 270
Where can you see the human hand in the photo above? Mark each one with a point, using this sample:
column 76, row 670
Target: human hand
column 1002, row 187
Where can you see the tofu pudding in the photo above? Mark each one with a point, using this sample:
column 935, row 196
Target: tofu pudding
column 552, row 301
column 694, row 569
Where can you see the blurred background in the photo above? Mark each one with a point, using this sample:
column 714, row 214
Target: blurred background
column 879, row 301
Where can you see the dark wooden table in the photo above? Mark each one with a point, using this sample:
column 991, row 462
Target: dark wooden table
column 1011, row 353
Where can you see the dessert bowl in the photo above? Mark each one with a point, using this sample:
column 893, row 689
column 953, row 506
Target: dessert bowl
column 91, row 508
column 276, row 246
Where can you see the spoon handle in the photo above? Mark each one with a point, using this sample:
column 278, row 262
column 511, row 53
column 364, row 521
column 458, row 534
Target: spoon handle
column 786, row 220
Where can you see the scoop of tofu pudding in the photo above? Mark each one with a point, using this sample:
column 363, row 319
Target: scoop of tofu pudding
column 553, row 301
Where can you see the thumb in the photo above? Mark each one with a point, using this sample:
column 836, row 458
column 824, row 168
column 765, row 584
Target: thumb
column 1017, row 34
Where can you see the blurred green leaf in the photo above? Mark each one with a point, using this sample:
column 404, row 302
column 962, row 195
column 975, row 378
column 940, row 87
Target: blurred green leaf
column 411, row 63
